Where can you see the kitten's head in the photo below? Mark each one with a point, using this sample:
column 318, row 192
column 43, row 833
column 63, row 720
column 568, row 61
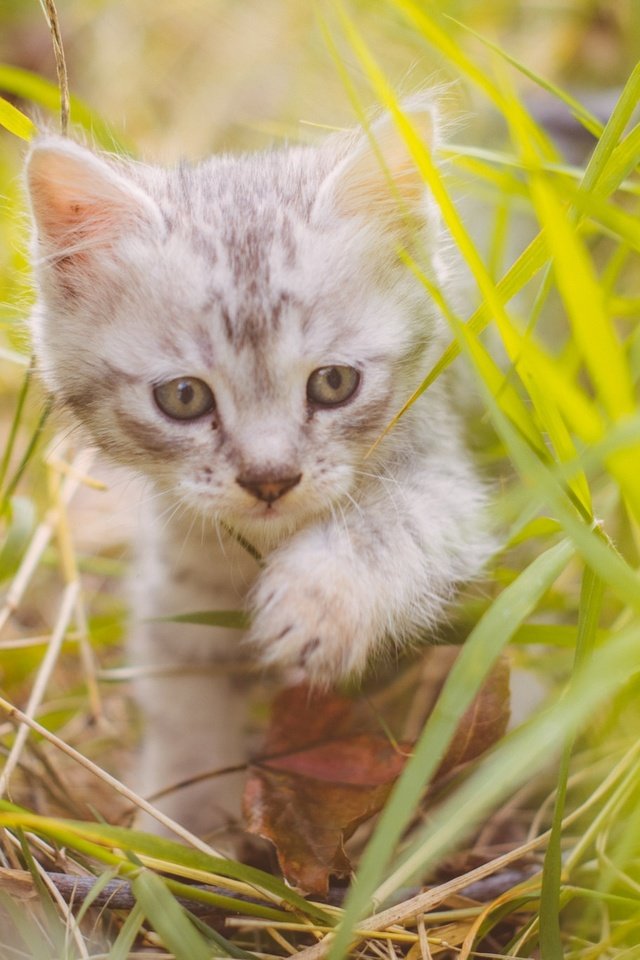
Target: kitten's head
column 241, row 330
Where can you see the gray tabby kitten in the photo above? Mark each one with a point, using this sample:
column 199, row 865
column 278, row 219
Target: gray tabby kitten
column 240, row 332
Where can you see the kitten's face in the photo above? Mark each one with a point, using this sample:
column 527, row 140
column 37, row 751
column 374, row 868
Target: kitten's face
column 238, row 331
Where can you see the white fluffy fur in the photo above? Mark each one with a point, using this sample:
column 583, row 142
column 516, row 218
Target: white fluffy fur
column 249, row 273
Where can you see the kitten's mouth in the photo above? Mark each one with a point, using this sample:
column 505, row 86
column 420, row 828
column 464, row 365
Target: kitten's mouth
column 268, row 511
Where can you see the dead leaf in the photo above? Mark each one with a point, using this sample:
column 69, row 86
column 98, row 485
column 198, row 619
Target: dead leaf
column 483, row 724
column 324, row 773
column 311, row 801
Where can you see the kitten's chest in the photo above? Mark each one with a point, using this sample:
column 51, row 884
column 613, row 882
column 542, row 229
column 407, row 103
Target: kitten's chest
column 187, row 565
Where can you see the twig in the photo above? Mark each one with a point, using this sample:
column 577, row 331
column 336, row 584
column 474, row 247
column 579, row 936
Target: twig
column 71, row 573
column 64, row 907
column 425, row 949
column 41, row 538
column 180, row 831
column 117, row 894
column 423, row 902
column 51, row 14
column 44, row 674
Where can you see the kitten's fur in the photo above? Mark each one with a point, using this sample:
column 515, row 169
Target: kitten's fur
column 249, row 273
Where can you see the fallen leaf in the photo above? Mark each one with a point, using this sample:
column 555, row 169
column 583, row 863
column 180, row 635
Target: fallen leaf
column 483, row 723
column 311, row 801
column 324, row 773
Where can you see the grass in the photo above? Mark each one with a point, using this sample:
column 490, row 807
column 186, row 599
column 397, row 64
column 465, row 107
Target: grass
column 554, row 347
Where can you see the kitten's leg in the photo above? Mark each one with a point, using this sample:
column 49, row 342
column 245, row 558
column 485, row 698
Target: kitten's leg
column 383, row 569
column 191, row 683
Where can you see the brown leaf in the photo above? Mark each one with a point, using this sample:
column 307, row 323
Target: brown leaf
column 309, row 802
column 483, row 724
column 323, row 774
column 301, row 717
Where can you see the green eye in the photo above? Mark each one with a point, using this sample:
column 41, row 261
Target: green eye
column 185, row 398
column 331, row 386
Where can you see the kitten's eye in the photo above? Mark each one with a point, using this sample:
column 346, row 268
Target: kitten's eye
column 330, row 386
column 185, row 398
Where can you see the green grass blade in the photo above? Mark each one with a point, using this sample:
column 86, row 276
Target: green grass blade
column 31, row 86
column 580, row 112
column 527, row 265
column 624, row 159
column 21, row 521
column 479, row 653
column 121, row 947
column 550, row 894
column 431, row 27
column 583, row 298
column 516, row 758
column 15, row 121
column 168, row 918
column 53, row 921
column 15, row 424
column 11, row 487
column 235, row 619
column 28, row 930
column 596, row 175
column 603, row 175
column 160, row 848
column 550, row 492
column 102, row 881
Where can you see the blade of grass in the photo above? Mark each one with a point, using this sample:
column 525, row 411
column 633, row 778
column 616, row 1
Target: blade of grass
column 480, row 651
column 15, row 121
column 15, row 423
column 105, row 838
column 235, row 619
column 550, row 894
column 518, row 756
column 504, row 393
column 579, row 111
column 26, row 457
column 53, row 22
column 583, row 298
column 623, row 161
column 54, row 925
column 589, row 540
column 127, row 934
column 28, row 930
column 170, row 852
column 600, row 178
column 168, row 918
column 432, row 28
column 30, row 86
column 598, row 170
column 21, row 522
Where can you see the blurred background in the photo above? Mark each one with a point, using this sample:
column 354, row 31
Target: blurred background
column 182, row 79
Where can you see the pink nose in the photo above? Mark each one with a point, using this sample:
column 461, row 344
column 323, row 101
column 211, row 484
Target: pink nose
column 268, row 488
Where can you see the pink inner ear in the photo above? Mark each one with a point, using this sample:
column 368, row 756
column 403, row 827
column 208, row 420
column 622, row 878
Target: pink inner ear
column 380, row 181
column 78, row 198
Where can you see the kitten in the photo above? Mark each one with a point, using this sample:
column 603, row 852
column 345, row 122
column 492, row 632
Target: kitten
column 240, row 332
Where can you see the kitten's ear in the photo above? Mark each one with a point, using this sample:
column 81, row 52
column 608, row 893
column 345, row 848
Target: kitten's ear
column 79, row 200
column 379, row 178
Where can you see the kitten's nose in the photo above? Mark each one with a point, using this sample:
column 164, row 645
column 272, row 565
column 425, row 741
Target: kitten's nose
column 267, row 488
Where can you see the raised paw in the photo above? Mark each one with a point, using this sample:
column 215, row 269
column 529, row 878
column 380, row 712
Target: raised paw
column 313, row 622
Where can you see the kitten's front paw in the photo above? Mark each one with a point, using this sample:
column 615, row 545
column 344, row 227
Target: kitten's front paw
column 307, row 620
